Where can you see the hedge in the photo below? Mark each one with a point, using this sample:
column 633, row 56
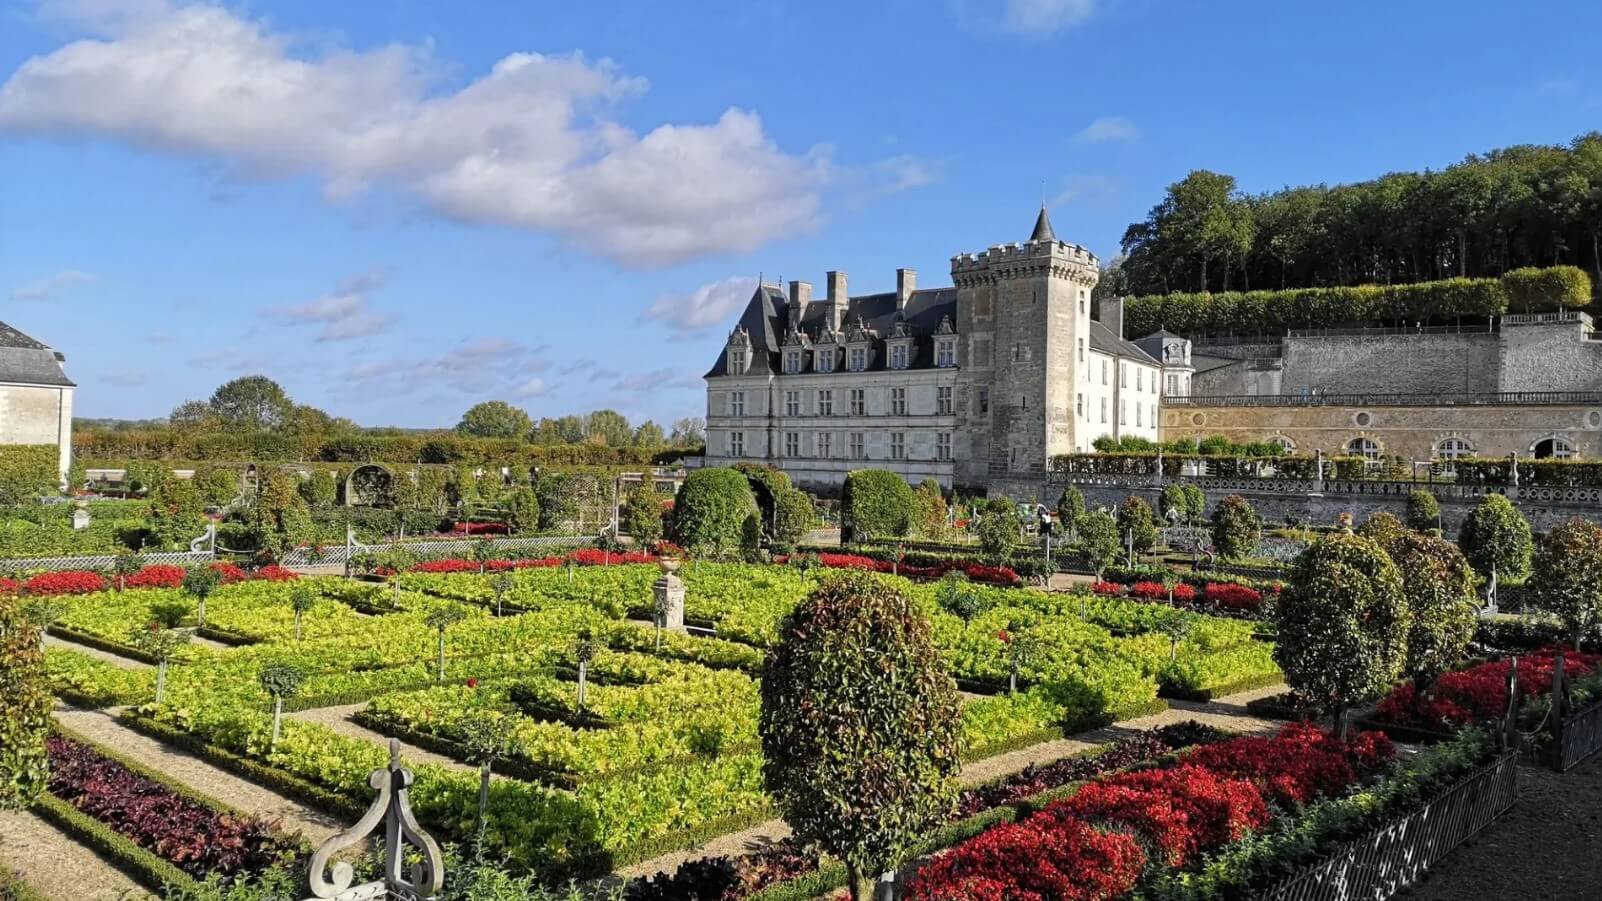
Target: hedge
column 710, row 510
column 441, row 447
column 27, row 471
column 1536, row 290
column 1572, row 473
column 878, row 504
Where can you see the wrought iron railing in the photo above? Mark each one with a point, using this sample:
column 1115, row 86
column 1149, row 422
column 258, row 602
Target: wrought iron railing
column 1445, row 399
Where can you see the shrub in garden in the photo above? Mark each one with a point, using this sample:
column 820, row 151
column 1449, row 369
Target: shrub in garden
column 1342, row 623
column 176, row 509
column 997, row 530
column 123, row 566
column 281, row 682
column 751, row 539
column 1567, row 576
column 1382, row 528
column 1236, row 528
column 1535, row 289
column 642, row 513
column 199, row 583
column 1423, row 511
column 1195, row 503
column 1174, row 498
column 878, row 504
column 160, row 575
column 931, row 522
column 1136, row 519
column 25, row 704
column 793, row 517
column 523, row 510
column 1098, row 541
column 1439, row 586
column 320, row 491
column 1070, row 507
column 217, row 485
column 64, row 582
column 278, row 516
column 1497, row 536
column 1479, row 694
column 710, row 511
column 860, row 725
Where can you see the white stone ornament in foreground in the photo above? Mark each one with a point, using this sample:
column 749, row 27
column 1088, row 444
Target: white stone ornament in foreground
column 393, row 808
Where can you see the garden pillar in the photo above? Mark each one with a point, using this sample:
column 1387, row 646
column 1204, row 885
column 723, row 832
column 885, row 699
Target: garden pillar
column 669, row 594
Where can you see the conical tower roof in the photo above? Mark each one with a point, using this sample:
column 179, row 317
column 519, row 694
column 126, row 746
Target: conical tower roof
column 1043, row 230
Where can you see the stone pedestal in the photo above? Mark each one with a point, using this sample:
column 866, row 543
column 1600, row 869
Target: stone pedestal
column 80, row 518
column 669, row 593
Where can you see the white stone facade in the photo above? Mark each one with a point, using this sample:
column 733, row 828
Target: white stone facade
column 35, row 396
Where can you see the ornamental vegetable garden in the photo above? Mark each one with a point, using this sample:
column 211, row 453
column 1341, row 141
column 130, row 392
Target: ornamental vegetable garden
column 662, row 752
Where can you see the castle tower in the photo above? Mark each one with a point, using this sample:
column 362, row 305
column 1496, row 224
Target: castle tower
column 1023, row 311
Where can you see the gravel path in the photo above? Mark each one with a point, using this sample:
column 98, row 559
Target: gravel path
column 53, row 864
column 338, row 719
column 1545, row 847
column 117, row 660
column 201, row 777
column 1225, row 713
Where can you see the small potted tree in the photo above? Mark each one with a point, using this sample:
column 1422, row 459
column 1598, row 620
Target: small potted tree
column 301, row 600
column 124, row 565
column 500, row 583
column 199, row 583
column 161, row 643
column 440, row 619
column 486, row 739
column 281, row 681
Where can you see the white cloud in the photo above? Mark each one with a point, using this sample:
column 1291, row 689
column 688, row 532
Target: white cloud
column 529, row 144
column 534, row 387
column 344, row 314
column 51, row 285
column 1023, row 18
column 1082, row 188
column 1108, row 128
column 711, row 305
column 481, row 367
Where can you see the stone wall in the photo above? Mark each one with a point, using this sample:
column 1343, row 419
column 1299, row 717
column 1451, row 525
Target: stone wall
column 1549, row 357
column 1387, row 364
column 35, row 415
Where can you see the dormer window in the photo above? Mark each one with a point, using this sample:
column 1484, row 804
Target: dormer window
column 792, row 362
column 899, row 354
column 859, row 359
column 825, row 360
column 945, row 353
column 738, row 362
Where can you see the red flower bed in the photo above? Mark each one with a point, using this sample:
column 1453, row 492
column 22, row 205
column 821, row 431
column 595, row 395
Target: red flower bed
column 1149, row 590
column 1231, row 596
column 68, row 582
column 1184, row 593
column 191, row 836
column 230, row 573
column 993, row 575
column 594, row 556
column 8, row 586
column 158, row 576
column 1108, row 589
column 479, row 528
column 1479, row 693
column 1090, row 845
column 275, row 573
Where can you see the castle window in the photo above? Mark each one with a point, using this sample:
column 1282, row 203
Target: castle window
column 945, row 354
column 736, row 361
column 984, row 401
column 736, row 403
column 943, row 446
column 825, row 444
column 1104, row 371
column 943, row 405
column 1554, row 448
column 898, row 445
column 1139, row 416
column 898, row 401
column 859, row 359
column 792, row 444
column 792, row 361
column 825, row 402
column 1366, row 448
column 792, row 403
column 1173, row 385
column 736, row 444
column 1283, row 443
column 898, row 356
column 856, row 446
column 1123, row 411
column 1079, row 406
column 859, row 402
column 1454, row 449
column 1140, row 379
column 826, row 360
column 1081, row 350
column 1104, row 411
column 1123, row 375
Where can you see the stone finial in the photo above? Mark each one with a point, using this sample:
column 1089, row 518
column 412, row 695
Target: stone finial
column 668, row 592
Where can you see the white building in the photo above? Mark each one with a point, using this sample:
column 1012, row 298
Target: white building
column 984, row 380
column 35, row 396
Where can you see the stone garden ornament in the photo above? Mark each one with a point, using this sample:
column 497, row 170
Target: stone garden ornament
column 393, row 808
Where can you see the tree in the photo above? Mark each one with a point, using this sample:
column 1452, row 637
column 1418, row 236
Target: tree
column 124, row 565
column 642, row 512
column 1423, row 512
column 199, row 583
column 251, row 403
column 1567, row 577
column 440, row 619
column 566, row 430
column 997, row 530
column 688, row 432
column 710, row 511
column 194, row 416
column 1442, row 608
column 1236, row 528
column 301, row 600
column 1136, row 521
column 1343, row 624
column 860, row 726
column 649, row 435
column 160, row 642
column 931, row 503
column 1497, row 536
column 483, row 552
column 494, row 419
column 278, row 517
column 522, row 510
column 176, row 510
column 1070, row 507
column 876, row 503
column 1383, row 528
column 1172, row 504
column 1098, row 541
column 501, row 583
column 25, row 713
column 486, row 739
column 321, row 491
column 793, row 517
column 280, row 681
column 609, row 428
column 396, row 561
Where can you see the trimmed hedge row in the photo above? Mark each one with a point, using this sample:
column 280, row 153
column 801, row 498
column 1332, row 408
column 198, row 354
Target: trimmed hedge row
column 27, row 471
column 432, row 447
column 1573, row 473
column 1522, row 290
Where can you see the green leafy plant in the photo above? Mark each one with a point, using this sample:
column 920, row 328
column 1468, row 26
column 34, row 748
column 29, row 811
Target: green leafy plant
column 301, row 601
column 160, row 643
column 200, row 582
column 440, row 619
column 281, row 682
column 1423, row 511
column 710, row 511
column 1137, row 524
column 1236, row 528
column 876, row 503
column 1567, row 576
column 1098, row 541
column 1439, row 586
column 25, row 713
column 1496, row 536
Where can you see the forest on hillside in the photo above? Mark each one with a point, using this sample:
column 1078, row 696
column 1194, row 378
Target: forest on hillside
column 1528, row 205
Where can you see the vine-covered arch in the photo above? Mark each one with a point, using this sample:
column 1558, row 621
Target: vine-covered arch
column 370, row 485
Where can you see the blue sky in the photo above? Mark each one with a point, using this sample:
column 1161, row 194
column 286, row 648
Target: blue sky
column 398, row 209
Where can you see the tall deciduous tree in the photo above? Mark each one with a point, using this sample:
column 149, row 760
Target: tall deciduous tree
column 252, row 402
column 494, row 419
column 1497, row 536
column 1567, row 576
column 860, row 725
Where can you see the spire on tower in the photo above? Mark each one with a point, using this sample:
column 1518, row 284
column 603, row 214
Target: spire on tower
column 1043, row 230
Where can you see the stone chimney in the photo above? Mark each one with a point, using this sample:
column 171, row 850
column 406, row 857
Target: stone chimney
column 839, row 300
column 1112, row 314
column 906, row 283
column 800, row 296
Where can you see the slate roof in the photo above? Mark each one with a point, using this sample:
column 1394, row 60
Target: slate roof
column 25, row 361
column 1043, row 230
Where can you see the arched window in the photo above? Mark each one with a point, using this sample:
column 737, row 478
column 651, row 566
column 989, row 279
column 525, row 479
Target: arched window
column 1283, row 443
column 1555, row 448
column 1453, row 449
column 1363, row 447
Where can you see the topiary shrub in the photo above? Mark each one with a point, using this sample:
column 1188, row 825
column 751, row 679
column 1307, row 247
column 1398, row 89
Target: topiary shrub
column 320, row 491
column 1342, row 624
column 1567, row 576
column 1236, row 528
column 523, row 510
column 1497, row 536
column 642, row 513
column 25, row 705
column 997, row 530
column 176, row 511
column 1172, row 503
column 710, row 511
column 1196, row 502
column 1098, row 541
column 793, row 517
column 877, row 504
column 1137, row 522
column 1443, row 609
column 931, row 522
column 860, row 725
column 1070, row 506
column 1535, row 290
column 1423, row 512
column 1382, row 528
